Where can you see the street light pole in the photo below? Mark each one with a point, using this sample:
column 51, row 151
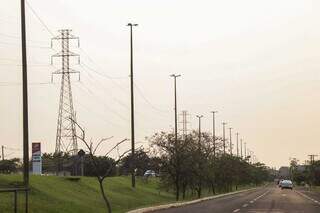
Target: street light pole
column 2, row 149
column 224, row 137
column 175, row 108
column 214, row 133
column 245, row 151
column 133, row 179
column 237, row 134
column 199, row 116
column 230, row 135
column 241, row 148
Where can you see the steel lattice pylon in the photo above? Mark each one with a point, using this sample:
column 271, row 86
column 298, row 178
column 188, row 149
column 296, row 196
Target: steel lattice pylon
column 66, row 140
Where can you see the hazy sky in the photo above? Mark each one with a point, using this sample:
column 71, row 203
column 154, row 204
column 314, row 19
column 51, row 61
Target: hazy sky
column 256, row 62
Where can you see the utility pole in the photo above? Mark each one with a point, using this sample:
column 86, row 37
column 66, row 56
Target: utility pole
column 133, row 178
column 249, row 155
column 312, row 168
column 175, row 108
column 199, row 117
column 2, row 149
column 312, row 158
column 214, row 133
column 25, row 103
column 245, row 151
column 237, row 134
column 25, row 96
column 224, row 137
column 241, row 148
column 230, row 135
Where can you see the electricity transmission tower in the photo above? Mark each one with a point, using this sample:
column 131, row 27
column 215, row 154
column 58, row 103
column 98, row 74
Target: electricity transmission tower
column 184, row 122
column 66, row 140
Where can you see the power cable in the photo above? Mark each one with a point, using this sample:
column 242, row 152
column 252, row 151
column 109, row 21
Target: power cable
column 40, row 20
column 147, row 101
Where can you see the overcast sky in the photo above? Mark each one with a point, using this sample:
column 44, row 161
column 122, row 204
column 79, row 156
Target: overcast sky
column 256, row 62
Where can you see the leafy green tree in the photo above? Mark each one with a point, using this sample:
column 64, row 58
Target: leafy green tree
column 9, row 166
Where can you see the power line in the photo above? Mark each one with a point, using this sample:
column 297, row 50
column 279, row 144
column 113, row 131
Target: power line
column 29, row 65
column 98, row 115
column 92, row 95
column 91, row 80
column 19, row 83
column 115, row 99
column 40, row 20
column 19, row 37
column 31, row 46
column 147, row 101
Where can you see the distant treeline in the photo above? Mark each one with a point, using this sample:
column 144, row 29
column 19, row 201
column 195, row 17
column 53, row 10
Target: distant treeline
column 305, row 174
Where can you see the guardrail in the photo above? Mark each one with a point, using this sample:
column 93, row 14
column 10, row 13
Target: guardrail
column 15, row 191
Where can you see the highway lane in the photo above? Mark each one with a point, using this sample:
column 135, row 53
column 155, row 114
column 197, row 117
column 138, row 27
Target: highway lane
column 264, row 200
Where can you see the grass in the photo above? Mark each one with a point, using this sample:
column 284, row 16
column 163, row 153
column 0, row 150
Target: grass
column 53, row 194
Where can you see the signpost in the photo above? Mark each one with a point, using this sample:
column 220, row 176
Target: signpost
column 36, row 159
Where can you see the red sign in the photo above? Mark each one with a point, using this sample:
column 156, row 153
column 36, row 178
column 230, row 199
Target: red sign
column 36, row 147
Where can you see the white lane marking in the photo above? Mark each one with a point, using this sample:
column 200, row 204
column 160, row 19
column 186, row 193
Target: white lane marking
column 307, row 197
column 252, row 201
column 257, row 198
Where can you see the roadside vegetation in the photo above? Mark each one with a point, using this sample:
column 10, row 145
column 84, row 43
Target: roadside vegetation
column 308, row 174
column 194, row 163
column 52, row 194
column 189, row 168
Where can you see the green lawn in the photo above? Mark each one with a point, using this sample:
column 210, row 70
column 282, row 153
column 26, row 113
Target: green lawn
column 52, row 194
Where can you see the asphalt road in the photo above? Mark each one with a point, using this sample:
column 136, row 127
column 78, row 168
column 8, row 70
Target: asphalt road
column 268, row 199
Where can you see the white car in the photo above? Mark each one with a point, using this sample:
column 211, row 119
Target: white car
column 286, row 184
column 150, row 173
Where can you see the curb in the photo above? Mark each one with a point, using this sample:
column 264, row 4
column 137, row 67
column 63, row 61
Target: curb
column 179, row 204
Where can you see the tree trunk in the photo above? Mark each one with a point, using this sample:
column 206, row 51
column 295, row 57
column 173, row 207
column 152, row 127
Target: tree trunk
column 184, row 191
column 199, row 188
column 104, row 196
column 177, row 190
column 213, row 188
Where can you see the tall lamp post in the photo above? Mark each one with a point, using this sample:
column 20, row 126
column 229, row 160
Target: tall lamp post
column 245, row 151
column 237, row 134
column 224, row 136
column 175, row 108
column 230, row 136
column 133, row 179
column 214, row 132
column 199, row 117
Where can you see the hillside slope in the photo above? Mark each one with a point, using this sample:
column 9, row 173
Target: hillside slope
column 52, row 194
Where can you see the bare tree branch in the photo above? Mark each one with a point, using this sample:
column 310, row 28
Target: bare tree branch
column 124, row 140
column 100, row 142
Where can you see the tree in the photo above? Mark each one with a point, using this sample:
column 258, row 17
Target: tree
column 173, row 156
column 142, row 162
column 9, row 166
column 99, row 172
column 190, row 165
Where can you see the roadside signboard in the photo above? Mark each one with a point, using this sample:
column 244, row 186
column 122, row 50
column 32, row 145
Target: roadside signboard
column 36, row 159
